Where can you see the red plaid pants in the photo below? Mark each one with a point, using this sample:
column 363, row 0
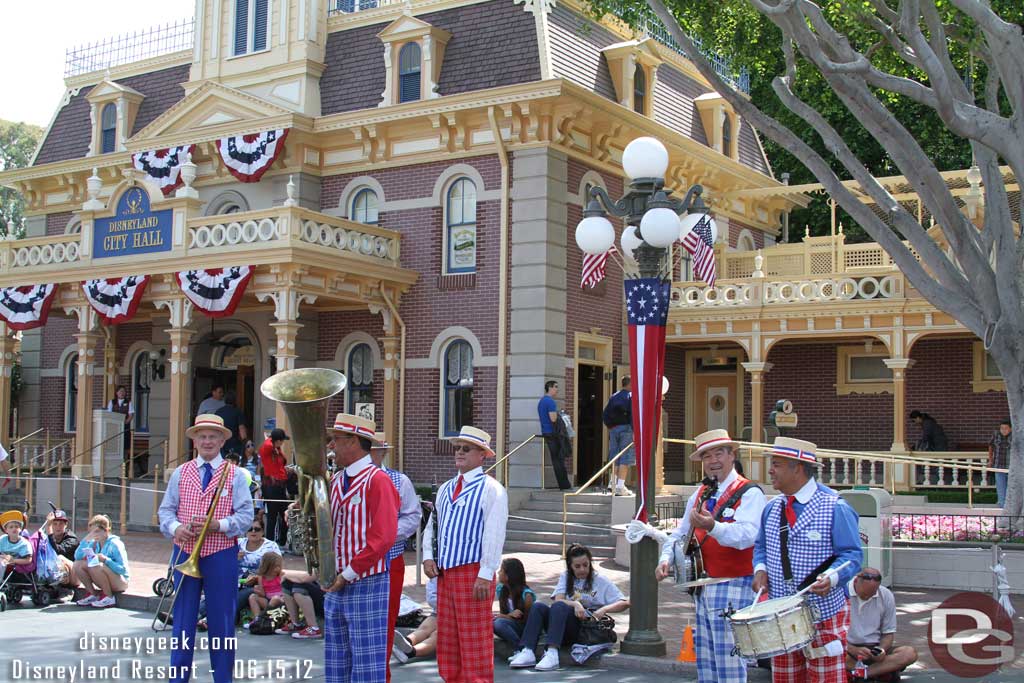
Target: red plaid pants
column 465, row 629
column 397, row 573
column 795, row 668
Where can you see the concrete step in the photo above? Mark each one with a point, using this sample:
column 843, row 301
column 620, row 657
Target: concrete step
column 554, row 538
column 599, row 552
column 527, row 526
column 556, row 506
column 578, row 517
column 591, row 496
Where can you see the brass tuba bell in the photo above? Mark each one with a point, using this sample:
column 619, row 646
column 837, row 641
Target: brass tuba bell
column 303, row 394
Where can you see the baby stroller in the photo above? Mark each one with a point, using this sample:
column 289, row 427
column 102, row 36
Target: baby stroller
column 35, row 579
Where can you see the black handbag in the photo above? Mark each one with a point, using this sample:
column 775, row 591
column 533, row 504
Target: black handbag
column 597, row 631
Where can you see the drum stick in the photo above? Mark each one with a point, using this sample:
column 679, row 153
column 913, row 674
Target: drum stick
column 828, row 572
column 758, row 596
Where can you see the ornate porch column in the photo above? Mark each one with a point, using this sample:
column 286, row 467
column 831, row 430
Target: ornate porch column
column 389, row 420
column 757, row 371
column 87, row 338
column 110, row 365
column 179, row 412
column 286, row 312
column 6, row 367
column 899, row 367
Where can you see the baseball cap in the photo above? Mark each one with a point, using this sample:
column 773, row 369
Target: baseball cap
column 279, row 435
column 60, row 514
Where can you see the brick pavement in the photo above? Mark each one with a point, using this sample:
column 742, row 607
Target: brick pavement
column 148, row 555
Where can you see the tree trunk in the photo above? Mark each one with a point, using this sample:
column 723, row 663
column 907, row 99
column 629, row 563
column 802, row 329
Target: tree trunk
column 1004, row 353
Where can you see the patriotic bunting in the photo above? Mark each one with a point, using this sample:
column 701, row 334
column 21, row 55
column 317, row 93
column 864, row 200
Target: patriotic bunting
column 116, row 299
column 698, row 243
column 594, row 268
column 164, row 165
column 248, row 157
column 215, row 292
column 647, row 302
column 27, row 307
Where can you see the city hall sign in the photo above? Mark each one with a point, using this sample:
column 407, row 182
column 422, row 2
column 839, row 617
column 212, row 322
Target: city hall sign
column 133, row 229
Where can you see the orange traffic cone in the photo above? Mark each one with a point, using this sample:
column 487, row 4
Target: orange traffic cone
column 687, row 652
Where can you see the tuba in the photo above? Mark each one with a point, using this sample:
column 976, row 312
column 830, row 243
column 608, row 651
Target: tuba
column 303, row 394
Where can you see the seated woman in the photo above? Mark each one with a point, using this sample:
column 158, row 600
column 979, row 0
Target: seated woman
column 301, row 591
column 423, row 641
column 251, row 550
column 581, row 594
column 101, row 564
column 515, row 599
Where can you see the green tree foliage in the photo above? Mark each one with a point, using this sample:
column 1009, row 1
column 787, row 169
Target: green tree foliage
column 18, row 143
column 736, row 31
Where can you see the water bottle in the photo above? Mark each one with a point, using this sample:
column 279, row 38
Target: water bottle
column 861, row 670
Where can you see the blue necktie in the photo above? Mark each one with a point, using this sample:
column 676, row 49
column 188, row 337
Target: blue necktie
column 712, row 501
column 344, row 482
column 207, row 474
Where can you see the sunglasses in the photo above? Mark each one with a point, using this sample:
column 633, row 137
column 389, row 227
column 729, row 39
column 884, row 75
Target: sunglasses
column 465, row 449
column 255, row 529
column 871, row 577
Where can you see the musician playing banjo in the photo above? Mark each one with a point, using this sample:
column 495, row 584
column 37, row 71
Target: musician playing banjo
column 805, row 531
column 725, row 525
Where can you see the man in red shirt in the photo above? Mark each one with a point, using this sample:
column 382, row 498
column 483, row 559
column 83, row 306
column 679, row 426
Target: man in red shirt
column 274, row 480
column 364, row 508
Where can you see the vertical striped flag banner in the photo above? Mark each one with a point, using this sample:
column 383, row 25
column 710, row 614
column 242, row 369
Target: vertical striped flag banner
column 647, row 306
column 594, row 268
column 699, row 243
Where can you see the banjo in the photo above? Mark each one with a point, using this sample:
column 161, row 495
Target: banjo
column 689, row 564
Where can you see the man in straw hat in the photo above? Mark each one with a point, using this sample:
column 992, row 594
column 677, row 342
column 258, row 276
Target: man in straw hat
column 364, row 507
column 187, row 502
column 409, row 515
column 725, row 527
column 471, row 512
column 805, row 533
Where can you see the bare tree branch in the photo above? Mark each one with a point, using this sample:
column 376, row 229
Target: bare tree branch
column 1007, row 47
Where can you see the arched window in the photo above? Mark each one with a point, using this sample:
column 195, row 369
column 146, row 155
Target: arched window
column 360, row 377
column 640, row 90
column 364, row 207
column 108, row 128
column 71, row 394
column 409, row 73
column 140, row 391
column 74, row 227
column 458, row 387
column 727, row 136
column 461, row 227
column 226, row 203
column 251, row 25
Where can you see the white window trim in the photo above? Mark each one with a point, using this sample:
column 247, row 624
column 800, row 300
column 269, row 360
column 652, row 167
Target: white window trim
column 353, row 187
column 66, row 370
column 443, row 351
column 846, row 385
column 344, row 350
column 250, row 30
column 593, row 178
column 444, row 229
column 215, row 206
column 131, row 391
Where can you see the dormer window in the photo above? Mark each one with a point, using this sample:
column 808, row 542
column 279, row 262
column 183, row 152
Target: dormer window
column 251, row 26
column 108, row 129
column 639, row 90
column 721, row 123
column 409, row 72
column 727, row 135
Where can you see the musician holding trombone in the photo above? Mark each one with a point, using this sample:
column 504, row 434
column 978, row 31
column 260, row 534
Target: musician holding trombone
column 724, row 516
column 206, row 508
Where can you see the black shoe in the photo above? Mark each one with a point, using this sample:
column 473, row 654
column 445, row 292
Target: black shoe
column 165, row 618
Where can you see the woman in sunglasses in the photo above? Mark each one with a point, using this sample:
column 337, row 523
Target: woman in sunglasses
column 251, row 550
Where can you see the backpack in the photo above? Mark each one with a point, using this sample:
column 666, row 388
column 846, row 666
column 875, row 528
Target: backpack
column 46, row 559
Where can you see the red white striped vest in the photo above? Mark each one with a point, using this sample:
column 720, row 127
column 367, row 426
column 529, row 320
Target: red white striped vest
column 194, row 502
column 720, row 560
column 351, row 517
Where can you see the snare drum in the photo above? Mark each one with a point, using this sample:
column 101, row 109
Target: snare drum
column 773, row 627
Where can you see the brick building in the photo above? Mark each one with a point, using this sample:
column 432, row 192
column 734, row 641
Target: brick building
column 415, row 232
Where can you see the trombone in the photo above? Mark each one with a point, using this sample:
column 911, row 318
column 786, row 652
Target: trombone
column 190, row 567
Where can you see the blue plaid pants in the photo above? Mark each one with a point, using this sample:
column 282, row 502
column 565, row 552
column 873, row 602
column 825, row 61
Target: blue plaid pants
column 714, row 642
column 356, row 631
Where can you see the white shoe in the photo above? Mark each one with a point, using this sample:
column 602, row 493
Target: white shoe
column 87, row 600
column 399, row 656
column 107, row 601
column 524, row 659
column 623, row 491
column 549, row 662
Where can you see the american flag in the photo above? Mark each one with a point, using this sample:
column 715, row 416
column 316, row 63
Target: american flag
column 594, row 268
column 698, row 243
column 647, row 302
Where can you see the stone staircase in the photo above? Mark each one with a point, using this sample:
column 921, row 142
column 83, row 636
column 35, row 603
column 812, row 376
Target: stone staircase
column 536, row 526
column 107, row 503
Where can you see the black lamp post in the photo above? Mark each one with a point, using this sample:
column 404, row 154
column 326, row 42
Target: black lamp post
column 648, row 205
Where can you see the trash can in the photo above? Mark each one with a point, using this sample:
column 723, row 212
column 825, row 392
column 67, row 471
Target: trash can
column 875, row 525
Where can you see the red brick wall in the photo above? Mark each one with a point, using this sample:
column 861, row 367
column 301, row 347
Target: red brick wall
column 940, row 384
column 58, row 333
column 128, row 334
column 57, row 222
column 736, row 227
column 676, row 406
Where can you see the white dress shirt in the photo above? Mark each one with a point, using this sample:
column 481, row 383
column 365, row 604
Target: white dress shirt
column 235, row 525
column 409, row 511
column 741, row 533
column 494, row 504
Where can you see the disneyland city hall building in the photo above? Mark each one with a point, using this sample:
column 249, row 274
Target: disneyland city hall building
column 391, row 191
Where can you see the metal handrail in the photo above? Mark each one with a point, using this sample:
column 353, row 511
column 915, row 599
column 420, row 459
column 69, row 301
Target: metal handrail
column 131, row 459
column 119, row 435
column 27, row 436
column 581, row 489
column 507, row 456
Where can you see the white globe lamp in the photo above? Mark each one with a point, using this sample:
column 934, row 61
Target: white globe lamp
column 630, row 242
column 645, row 158
column 664, row 385
column 595, row 235
column 688, row 222
column 660, row 227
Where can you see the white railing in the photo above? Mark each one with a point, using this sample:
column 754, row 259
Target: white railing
column 760, row 291
column 45, row 251
column 350, row 240
column 250, row 231
column 39, row 454
column 129, row 47
column 350, row 6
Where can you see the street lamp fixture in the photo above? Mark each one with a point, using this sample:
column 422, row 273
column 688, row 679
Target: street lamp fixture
column 653, row 226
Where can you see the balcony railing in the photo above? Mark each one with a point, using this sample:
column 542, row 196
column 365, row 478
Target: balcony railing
column 350, row 6
column 129, row 47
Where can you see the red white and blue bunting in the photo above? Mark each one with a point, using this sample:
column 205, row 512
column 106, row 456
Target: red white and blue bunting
column 116, row 299
column 26, row 307
column 164, row 165
column 248, row 157
column 215, row 292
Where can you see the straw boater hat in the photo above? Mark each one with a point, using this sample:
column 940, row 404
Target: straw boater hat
column 709, row 440
column 12, row 516
column 796, row 449
column 477, row 437
column 215, row 422
column 345, row 423
column 380, row 440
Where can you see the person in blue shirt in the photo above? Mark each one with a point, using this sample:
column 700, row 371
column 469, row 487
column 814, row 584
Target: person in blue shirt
column 14, row 549
column 547, row 413
column 618, row 418
column 101, row 564
column 806, row 532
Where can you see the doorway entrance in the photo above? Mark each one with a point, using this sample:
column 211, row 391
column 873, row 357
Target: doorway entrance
column 715, row 381
column 232, row 365
column 590, row 392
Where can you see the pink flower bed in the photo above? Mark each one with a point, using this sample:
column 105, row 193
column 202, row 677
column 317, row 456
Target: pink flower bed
column 953, row 528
